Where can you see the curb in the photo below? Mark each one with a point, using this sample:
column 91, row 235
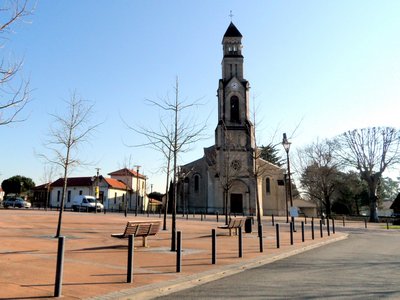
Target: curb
column 152, row 291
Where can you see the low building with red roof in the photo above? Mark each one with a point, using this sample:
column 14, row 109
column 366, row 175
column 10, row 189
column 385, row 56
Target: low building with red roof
column 125, row 187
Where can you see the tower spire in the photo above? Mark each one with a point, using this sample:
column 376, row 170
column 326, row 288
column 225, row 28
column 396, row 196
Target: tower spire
column 231, row 15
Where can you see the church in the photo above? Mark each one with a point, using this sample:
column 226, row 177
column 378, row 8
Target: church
column 231, row 172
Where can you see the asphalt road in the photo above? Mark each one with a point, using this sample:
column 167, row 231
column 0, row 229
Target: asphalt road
column 364, row 266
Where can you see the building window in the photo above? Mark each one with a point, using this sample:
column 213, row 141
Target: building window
column 235, row 109
column 196, row 183
column 69, row 196
column 268, row 185
column 115, row 198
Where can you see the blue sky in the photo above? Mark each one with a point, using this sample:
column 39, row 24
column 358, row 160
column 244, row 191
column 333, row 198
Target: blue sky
column 322, row 66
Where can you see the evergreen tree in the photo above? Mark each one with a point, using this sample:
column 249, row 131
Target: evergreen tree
column 270, row 154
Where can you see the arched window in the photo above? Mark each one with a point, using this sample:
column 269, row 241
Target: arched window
column 268, row 185
column 196, row 183
column 235, row 109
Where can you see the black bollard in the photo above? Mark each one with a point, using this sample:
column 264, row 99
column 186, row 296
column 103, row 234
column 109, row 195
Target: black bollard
column 173, row 240
column 260, row 237
column 201, row 216
column 277, row 236
column 273, row 220
column 320, row 229
column 294, row 226
column 365, row 221
column 387, row 224
column 240, row 242
column 344, row 223
column 178, row 251
column 213, row 246
column 312, row 228
column 59, row 267
column 333, row 226
column 291, row 233
column 327, row 227
column 302, row 232
column 129, row 275
column 305, row 220
column 217, row 216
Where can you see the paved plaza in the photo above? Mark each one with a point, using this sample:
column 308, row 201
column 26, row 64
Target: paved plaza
column 96, row 264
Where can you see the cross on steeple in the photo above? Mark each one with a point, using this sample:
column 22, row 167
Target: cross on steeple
column 231, row 15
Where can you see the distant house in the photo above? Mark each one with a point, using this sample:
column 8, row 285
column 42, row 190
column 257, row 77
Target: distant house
column 124, row 187
column 41, row 195
column 75, row 186
column 308, row 208
column 136, row 183
column 113, row 193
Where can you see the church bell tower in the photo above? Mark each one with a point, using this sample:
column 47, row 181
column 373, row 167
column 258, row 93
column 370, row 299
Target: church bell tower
column 234, row 135
column 233, row 97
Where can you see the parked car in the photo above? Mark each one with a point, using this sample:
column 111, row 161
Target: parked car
column 86, row 202
column 16, row 202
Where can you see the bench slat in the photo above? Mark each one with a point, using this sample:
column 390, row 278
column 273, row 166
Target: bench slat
column 139, row 229
column 234, row 223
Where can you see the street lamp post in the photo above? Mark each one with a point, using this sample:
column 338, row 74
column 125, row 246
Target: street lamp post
column 286, row 198
column 137, row 189
column 286, row 145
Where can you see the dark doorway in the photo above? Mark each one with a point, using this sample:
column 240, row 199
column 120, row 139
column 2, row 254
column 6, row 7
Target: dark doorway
column 236, row 203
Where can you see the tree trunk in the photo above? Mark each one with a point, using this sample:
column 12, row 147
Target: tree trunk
column 328, row 207
column 373, row 199
column 373, row 209
column 226, row 206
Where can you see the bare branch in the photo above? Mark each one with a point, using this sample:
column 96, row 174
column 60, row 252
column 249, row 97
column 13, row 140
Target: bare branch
column 13, row 96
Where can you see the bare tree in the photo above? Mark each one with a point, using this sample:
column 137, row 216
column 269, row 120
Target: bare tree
column 14, row 93
column 68, row 132
column 173, row 139
column 260, row 168
column 160, row 141
column 48, row 177
column 371, row 151
column 319, row 172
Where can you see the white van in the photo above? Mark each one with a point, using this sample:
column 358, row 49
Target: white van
column 85, row 203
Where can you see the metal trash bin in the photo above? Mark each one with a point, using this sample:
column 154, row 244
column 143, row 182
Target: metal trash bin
column 248, row 225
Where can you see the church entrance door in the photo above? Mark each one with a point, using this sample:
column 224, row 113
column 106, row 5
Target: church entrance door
column 236, row 203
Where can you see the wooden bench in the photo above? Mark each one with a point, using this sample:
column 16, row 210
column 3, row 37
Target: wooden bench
column 234, row 223
column 139, row 228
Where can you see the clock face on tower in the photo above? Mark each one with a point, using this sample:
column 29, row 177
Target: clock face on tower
column 234, row 85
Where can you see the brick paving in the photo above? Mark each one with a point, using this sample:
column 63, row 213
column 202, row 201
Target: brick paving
column 95, row 265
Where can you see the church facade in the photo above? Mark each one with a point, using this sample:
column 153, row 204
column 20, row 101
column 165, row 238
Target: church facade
column 230, row 173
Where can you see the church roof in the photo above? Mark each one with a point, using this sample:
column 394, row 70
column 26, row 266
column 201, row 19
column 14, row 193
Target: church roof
column 232, row 31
